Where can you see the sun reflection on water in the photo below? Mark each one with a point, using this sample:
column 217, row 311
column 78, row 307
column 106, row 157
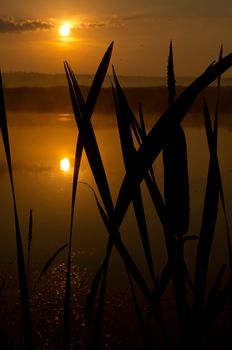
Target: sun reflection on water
column 65, row 164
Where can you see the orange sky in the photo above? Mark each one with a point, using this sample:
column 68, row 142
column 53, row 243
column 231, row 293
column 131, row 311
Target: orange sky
column 141, row 31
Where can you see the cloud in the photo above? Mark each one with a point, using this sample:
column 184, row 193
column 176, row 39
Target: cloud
column 19, row 26
column 91, row 25
column 111, row 21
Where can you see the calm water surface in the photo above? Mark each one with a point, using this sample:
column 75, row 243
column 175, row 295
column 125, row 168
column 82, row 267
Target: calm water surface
column 39, row 142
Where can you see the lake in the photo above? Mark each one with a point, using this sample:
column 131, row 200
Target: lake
column 40, row 141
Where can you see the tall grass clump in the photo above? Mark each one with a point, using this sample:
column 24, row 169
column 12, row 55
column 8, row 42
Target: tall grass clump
column 173, row 209
column 197, row 306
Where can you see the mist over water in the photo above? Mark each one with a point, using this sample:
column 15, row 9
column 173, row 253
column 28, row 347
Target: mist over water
column 26, row 79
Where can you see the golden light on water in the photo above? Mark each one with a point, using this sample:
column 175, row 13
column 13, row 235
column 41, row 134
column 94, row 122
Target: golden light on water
column 65, row 30
column 65, row 165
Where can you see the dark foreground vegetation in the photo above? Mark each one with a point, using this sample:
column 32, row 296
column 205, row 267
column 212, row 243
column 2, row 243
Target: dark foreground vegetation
column 197, row 306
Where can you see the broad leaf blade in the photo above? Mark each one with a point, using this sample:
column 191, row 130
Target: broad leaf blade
column 157, row 137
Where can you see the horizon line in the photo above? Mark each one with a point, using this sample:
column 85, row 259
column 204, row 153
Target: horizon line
column 92, row 74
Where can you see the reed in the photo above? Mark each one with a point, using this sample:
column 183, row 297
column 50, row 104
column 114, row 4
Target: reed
column 168, row 136
column 83, row 112
column 171, row 203
column 176, row 196
column 93, row 154
column 23, row 288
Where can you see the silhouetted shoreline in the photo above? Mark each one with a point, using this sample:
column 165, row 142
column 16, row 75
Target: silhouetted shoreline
column 153, row 99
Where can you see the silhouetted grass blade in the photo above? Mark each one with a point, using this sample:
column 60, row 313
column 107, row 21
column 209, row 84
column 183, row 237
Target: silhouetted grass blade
column 171, row 77
column 135, row 127
column 150, row 176
column 90, row 303
column 143, row 133
column 103, row 214
column 213, row 150
column 95, row 340
column 91, row 297
column 207, row 230
column 218, row 304
column 142, row 123
column 176, row 184
column 122, row 112
column 77, row 162
column 124, row 118
column 176, row 195
column 140, row 135
column 163, row 282
column 25, row 305
column 51, row 260
column 210, row 132
column 212, row 143
column 95, row 316
column 142, row 324
column 157, row 137
column 30, row 229
column 157, row 199
column 214, row 290
column 98, row 81
column 219, row 77
column 217, row 299
column 220, row 182
column 29, row 247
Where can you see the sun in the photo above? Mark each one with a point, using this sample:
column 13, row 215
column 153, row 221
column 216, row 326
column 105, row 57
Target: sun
column 65, row 165
column 65, row 30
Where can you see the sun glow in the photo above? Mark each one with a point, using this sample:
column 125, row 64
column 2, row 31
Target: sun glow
column 65, row 165
column 65, row 30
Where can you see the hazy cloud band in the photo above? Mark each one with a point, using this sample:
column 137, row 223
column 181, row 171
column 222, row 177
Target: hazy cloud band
column 16, row 26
